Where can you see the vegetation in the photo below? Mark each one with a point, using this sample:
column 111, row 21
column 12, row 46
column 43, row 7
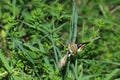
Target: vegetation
column 35, row 34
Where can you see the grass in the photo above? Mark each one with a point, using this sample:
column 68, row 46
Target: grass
column 35, row 35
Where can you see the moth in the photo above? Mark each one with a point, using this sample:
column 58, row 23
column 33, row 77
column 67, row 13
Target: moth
column 72, row 50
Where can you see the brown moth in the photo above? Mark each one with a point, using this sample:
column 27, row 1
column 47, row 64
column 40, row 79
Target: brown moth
column 72, row 50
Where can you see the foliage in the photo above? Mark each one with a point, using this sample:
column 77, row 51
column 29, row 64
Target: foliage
column 35, row 35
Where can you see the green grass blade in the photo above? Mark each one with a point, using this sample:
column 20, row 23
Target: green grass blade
column 74, row 21
column 6, row 65
column 88, row 77
column 109, row 76
column 83, row 30
column 5, row 62
column 31, row 47
column 41, row 48
column 13, row 7
column 23, row 50
column 45, row 32
column 101, row 6
column 19, row 45
column 100, row 61
column 54, row 49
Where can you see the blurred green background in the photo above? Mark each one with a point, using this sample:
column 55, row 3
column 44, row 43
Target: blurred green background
column 35, row 34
